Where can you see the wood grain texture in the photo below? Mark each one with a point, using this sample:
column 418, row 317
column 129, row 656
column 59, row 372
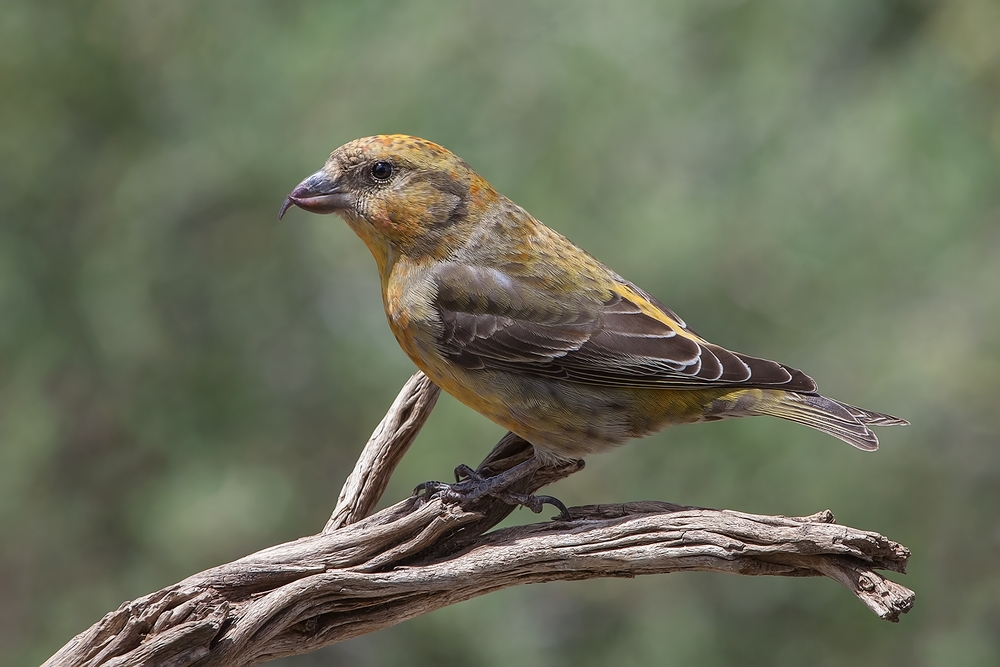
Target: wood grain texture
column 363, row 573
column 385, row 449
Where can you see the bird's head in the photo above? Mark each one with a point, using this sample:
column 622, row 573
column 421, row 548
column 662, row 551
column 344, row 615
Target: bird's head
column 400, row 194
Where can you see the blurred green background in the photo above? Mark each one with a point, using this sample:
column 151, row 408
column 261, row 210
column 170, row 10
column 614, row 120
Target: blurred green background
column 184, row 379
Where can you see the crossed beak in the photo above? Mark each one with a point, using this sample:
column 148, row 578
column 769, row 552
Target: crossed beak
column 318, row 193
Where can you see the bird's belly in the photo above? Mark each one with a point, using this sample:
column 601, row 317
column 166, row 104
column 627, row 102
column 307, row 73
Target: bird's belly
column 565, row 420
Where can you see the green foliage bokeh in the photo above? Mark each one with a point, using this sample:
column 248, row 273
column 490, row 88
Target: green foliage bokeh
column 183, row 379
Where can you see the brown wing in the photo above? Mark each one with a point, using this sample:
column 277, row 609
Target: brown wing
column 492, row 320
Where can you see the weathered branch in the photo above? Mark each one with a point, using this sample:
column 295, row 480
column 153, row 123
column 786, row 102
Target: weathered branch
column 365, row 573
column 385, row 449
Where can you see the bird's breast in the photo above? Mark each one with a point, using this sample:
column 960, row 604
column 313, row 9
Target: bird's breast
column 408, row 297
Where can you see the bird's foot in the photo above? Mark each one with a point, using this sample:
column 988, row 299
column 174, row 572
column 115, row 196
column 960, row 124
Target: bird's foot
column 470, row 486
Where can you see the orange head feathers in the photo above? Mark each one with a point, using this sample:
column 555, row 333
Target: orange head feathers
column 399, row 193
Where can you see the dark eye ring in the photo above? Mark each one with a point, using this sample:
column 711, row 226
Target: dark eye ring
column 381, row 171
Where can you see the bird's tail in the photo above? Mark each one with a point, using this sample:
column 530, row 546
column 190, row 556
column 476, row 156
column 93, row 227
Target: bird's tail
column 840, row 420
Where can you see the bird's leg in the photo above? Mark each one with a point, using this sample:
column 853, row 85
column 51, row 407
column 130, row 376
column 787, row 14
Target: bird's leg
column 499, row 487
column 470, row 486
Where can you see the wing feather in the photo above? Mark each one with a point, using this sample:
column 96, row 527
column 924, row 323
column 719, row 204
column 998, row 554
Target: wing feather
column 493, row 320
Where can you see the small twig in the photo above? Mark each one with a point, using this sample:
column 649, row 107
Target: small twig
column 364, row 573
column 385, row 449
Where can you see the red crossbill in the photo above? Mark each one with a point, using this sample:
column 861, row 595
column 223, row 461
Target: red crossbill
column 521, row 325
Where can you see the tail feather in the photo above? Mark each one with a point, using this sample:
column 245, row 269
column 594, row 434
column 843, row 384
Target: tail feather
column 847, row 422
column 869, row 417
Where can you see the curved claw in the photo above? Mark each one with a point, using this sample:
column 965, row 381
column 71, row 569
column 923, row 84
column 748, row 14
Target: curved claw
column 564, row 514
column 536, row 503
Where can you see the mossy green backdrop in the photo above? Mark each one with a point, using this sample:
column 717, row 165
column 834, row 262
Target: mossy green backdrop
column 184, row 379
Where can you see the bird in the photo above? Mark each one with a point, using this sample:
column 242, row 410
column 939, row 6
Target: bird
column 523, row 326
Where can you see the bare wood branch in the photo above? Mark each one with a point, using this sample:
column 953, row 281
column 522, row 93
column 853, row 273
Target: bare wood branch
column 363, row 573
column 385, row 449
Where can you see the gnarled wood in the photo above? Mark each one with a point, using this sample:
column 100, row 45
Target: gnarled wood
column 385, row 449
column 363, row 573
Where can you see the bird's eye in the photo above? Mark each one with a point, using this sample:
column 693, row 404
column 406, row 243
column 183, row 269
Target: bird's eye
column 381, row 171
